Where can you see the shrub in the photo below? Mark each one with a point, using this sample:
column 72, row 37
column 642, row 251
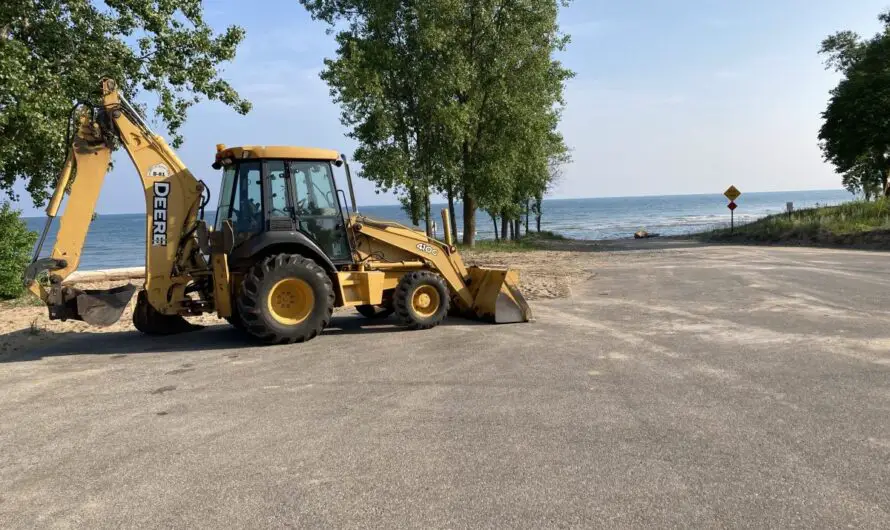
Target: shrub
column 16, row 243
column 545, row 235
column 819, row 224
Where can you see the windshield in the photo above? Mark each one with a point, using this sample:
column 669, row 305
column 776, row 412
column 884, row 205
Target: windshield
column 316, row 194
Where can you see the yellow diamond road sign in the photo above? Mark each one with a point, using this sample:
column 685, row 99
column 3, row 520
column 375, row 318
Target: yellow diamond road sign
column 732, row 193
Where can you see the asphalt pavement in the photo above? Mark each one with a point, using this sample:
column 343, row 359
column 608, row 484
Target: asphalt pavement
column 706, row 387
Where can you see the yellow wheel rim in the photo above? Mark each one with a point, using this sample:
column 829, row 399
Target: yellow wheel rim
column 291, row 301
column 425, row 300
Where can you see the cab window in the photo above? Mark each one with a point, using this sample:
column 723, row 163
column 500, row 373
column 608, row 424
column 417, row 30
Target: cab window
column 277, row 189
column 241, row 199
column 315, row 188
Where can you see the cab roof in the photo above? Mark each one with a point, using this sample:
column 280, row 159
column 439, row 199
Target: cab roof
column 276, row 151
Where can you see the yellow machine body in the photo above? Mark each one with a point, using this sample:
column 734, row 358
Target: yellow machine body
column 487, row 293
column 188, row 266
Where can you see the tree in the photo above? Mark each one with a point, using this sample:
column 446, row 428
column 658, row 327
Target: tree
column 384, row 78
column 16, row 242
column 460, row 97
column 53, row 53
column 555, row 164
column 510, row 96
column 855, row 135
column 864, row 179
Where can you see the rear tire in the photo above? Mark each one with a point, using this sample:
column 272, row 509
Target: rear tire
column 374, row 312
column 286, row 298
column 421, row 300
column 148, row 320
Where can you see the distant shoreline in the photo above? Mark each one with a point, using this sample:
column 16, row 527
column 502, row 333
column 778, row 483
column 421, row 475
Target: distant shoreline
column 118, row 240
column 438, row 205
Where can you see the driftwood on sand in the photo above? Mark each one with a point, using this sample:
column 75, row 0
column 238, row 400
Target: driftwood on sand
column 105, row 275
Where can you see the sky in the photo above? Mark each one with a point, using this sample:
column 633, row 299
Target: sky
column 669, row 97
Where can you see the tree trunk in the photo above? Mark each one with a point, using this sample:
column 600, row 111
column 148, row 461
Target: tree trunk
column 512, row 233
column 429, row 218
column 469, row 220
column 885, row 189
column 451, row 212
column 517, row 229
column 539, row 212
column 495, row 221
column 469, row 200
column 412, row 205
column 503, row 227
column 527, row 208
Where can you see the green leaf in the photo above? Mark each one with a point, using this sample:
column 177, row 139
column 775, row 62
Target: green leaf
column 54, row 52
column 855, row 134
column 452, row 96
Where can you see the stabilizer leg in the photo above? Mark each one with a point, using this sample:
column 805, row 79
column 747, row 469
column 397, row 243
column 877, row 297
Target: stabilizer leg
column 147, row 320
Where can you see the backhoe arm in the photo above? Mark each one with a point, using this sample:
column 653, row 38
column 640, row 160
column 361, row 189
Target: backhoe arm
column 91, row 156
column 172, row 198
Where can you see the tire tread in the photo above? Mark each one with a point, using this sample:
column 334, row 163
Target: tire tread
column 250, row 308
column 402, row 298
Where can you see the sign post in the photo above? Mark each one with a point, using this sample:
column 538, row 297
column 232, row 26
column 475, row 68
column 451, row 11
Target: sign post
column 732, row 193
column 732, row 206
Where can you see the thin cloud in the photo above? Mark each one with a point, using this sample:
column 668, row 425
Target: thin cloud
column 589, row 28
column 727, row 74
column 282, row 85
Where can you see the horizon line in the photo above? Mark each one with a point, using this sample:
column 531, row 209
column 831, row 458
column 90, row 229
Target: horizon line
column 547, row 199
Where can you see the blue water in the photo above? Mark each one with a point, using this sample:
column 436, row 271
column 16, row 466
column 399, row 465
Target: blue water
column 119, row 240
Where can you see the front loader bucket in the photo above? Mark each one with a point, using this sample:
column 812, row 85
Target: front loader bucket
column 496, row 296
column 103, row 307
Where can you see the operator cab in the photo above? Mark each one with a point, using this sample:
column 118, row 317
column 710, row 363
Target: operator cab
column 280, row 190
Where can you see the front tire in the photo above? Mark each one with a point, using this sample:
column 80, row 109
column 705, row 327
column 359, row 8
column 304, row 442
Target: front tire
column 286, row 298
column 421, row 300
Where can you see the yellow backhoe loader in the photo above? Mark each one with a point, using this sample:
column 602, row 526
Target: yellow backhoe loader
column 284, row 250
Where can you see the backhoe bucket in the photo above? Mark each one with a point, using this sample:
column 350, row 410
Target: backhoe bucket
column 103, row 307
column 496, row 296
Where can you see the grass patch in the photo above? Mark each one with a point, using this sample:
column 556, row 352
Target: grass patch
column 528, row 242
column 503, row 246
column 854, row 223
column 34, row 328
column 26, row 300
column 544, row 235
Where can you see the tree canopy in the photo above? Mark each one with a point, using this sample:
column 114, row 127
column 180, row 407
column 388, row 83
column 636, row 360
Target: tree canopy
column 855, row 135
column 460, row 97
column 53, row 53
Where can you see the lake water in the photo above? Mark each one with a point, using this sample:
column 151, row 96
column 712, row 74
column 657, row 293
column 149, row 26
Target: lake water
column 119, row 240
